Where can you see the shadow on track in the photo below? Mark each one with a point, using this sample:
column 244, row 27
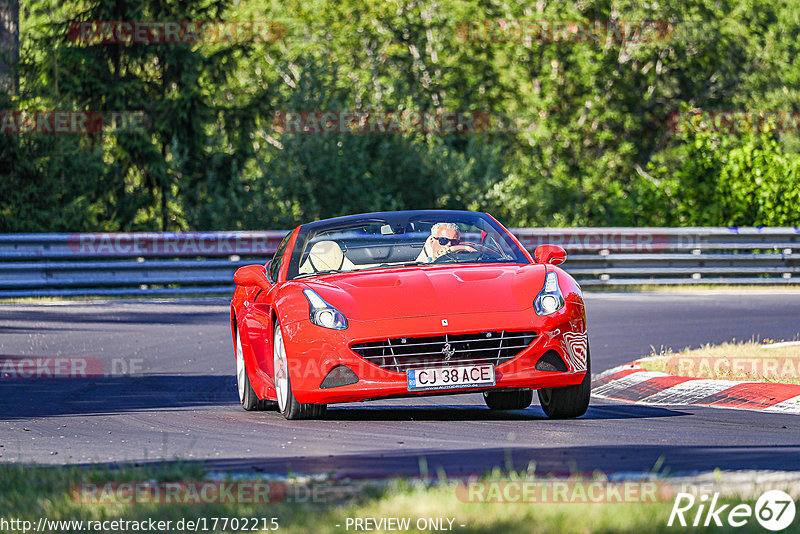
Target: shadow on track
column 474, row 412
column 111, row 314
column 20, row 398
column 46, row 397
column 558, row 461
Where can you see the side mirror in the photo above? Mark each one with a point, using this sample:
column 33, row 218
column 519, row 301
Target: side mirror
column 251, row 275
column 552, row 254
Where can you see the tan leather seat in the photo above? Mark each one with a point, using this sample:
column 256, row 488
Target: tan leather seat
column 324, row 256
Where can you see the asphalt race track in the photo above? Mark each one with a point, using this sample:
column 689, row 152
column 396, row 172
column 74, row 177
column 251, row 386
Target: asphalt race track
column 181, row 401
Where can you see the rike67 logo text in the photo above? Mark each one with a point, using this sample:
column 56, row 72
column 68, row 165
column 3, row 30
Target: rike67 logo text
column 774, row 510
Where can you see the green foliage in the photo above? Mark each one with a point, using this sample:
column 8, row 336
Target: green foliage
column 719, row 182
column 583, row 137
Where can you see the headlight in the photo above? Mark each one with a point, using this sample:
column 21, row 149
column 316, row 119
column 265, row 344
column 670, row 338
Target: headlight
column 549, row 299
column 323, row 314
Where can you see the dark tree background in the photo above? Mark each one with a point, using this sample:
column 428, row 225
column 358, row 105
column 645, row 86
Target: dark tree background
column 580, row 130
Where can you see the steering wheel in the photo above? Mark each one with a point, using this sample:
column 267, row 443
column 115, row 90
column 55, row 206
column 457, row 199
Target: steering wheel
column 451, row 257
column 485, row 247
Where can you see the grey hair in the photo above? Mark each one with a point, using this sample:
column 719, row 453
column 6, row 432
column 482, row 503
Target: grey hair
column 451, row 226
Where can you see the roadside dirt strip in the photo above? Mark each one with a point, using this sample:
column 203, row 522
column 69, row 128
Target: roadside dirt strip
column 631, row 383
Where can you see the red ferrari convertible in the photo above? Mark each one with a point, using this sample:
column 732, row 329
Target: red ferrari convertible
column 400, row 304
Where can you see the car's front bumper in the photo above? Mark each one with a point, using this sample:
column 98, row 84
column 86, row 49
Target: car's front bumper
column 313, row 351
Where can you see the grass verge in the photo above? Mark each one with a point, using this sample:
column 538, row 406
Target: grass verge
column 31, row 493
column 743, row 360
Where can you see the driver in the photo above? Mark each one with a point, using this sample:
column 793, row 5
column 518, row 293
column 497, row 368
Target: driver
column 444, row 239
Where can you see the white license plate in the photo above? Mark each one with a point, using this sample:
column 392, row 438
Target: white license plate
column 464, row 376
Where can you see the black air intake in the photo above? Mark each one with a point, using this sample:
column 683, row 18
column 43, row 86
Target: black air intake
column 339, row 376
column 551, row 361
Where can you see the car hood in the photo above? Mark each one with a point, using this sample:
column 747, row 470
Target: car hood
column 431, row 290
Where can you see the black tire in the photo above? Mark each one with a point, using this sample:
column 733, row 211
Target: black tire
column 570, row 401
column 517, row 399
column 297, row 410
column 293, row 410
column 252, row 403
column 247, row 396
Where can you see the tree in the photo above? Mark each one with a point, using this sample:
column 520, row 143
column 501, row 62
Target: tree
column 9, row 46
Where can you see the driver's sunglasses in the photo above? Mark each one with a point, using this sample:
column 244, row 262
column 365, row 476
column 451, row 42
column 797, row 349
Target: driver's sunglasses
column 444, row 241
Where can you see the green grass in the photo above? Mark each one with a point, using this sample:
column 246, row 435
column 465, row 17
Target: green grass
column 735, row 360
column 31, row 492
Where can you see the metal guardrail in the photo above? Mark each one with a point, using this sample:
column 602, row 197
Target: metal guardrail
column 673, row 256
column 203, row 262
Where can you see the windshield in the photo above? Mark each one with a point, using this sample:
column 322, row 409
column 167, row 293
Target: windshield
column 401, row 239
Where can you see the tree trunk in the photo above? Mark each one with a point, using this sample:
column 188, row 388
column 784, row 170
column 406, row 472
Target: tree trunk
column 9, row 46
column 164, row 191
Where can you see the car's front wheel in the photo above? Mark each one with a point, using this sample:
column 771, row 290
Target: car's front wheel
column 287, row 404
column 247, row 396
column 517, row 399
column 570, row 401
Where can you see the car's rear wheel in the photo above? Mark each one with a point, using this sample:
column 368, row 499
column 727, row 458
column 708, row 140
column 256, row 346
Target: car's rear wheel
column 517, row 399
column 287, row 404
column 247, row 395
column 570, row 401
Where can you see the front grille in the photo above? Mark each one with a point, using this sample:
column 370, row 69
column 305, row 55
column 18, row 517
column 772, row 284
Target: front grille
column 402, row 353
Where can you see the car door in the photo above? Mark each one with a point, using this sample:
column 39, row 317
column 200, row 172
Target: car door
column 258, row 314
